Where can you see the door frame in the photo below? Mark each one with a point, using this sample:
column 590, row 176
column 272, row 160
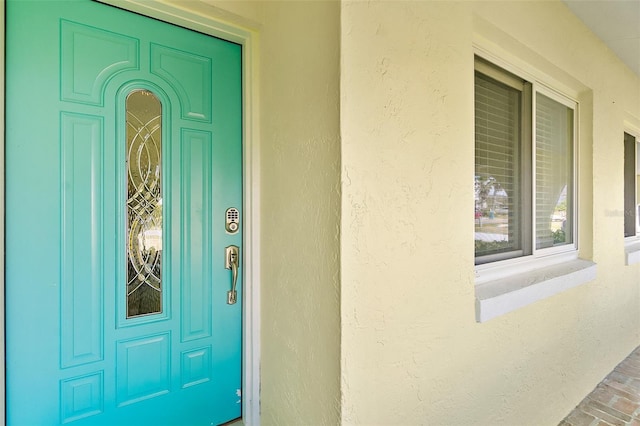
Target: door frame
column 205, row 18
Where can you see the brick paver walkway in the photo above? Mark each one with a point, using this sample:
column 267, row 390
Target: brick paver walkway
column 615, row 401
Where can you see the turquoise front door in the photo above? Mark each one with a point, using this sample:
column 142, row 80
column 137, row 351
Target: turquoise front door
column 123, row 230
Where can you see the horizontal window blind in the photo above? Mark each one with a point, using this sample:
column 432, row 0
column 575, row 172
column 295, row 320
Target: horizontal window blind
column 497, row 167
column 629, row 185
column 554, row 173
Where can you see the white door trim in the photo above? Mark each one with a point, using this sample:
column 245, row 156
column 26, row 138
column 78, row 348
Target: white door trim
column 205, row 18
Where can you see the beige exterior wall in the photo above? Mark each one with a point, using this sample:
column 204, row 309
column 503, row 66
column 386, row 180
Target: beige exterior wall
column 300, row 158
column 298, row 87
column 412, row 352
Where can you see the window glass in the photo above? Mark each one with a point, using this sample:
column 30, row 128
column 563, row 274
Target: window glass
column 144, row 204
column 497, row 167
column 554, row 173
column 630, row 221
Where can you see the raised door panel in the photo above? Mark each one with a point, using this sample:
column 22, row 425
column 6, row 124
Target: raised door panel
column 90, row 57
column 195, row 242
column 82, row 239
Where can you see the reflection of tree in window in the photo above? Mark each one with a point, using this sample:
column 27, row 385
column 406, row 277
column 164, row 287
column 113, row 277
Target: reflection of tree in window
column 490, row 195
column 144, row 204
column 492, row 214
column 498, row 161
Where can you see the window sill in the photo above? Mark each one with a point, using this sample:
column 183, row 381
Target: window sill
column 501, row 296
column 632, row 252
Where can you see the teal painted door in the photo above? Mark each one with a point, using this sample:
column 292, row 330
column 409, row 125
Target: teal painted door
column 123, row 153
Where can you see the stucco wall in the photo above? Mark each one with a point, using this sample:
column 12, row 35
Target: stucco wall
column 412, row 352
column 300, row 381
column 296, row 87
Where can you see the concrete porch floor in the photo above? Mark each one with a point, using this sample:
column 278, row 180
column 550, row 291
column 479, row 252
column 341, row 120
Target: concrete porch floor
column 615, row 401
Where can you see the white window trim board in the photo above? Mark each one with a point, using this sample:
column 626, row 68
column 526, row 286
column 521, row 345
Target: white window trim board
column 632, row 251
column 504, row 295
column 554, row 79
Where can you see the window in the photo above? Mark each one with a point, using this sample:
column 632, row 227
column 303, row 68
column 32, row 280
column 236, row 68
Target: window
column 144, row 204
column 524, row 167
column 631, row 161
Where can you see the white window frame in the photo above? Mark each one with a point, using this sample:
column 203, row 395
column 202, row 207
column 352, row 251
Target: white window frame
column 503, row 286
column 573, row 104
column 636, row 152
column 549, row 255
column 632, row 242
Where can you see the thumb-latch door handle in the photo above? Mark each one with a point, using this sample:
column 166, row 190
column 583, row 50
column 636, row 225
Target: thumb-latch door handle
column 231, row 260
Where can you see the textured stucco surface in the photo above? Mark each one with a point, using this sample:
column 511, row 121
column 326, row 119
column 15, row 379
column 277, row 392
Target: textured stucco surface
column 412, row 352
column 300, row 183
column 297, row 90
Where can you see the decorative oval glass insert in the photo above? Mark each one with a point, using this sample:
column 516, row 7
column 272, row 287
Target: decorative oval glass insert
column 144, row 203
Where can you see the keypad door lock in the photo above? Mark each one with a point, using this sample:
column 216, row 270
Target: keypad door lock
column 232, row 220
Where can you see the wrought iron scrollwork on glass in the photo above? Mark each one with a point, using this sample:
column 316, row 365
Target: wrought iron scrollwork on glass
column 144, row 203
